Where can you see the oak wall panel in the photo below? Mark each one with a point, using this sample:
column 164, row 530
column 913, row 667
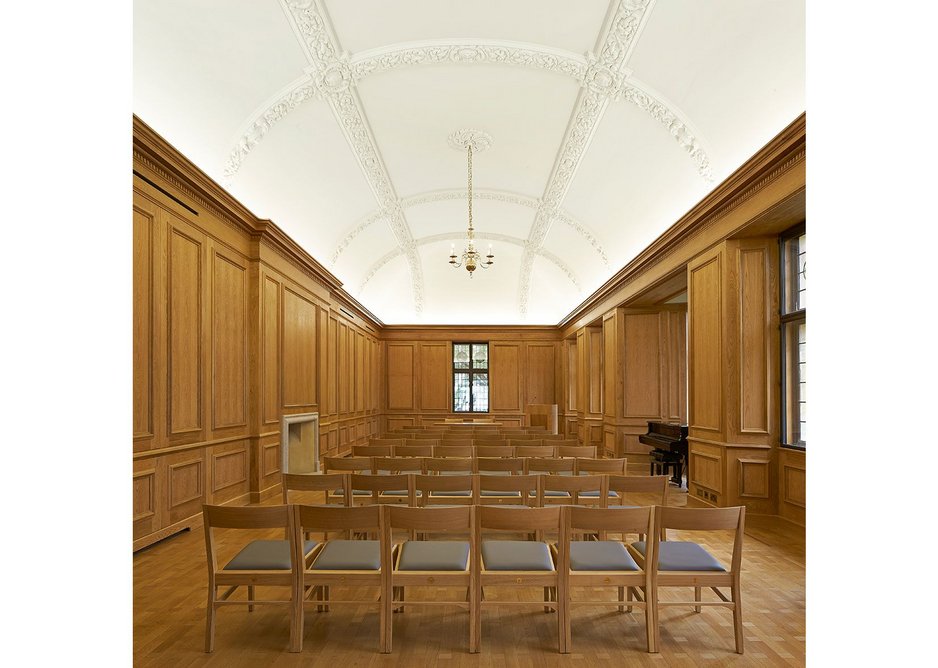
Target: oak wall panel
column 359, row 372
column 144, row 220
column 342, row 357
column 229, row 343
column 401, row 374
column 186, row 253
column 705, row 356
column 435, row 373
column 595, row 362
column 753, row 391
column 641, row 365
column 270, row 350
column 540, row 376
column 504, row 376
column 299, row 350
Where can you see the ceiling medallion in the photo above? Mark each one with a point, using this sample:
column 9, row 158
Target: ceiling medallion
column 471, row 259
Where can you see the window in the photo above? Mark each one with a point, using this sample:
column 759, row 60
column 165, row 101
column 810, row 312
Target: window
column 470, row 377
column 794, row 337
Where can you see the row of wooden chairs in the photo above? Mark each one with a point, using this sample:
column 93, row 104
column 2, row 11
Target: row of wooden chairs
column 503, row 465
column 637, row 569
column 535, row 489
column 468, row 439
column 453, row 450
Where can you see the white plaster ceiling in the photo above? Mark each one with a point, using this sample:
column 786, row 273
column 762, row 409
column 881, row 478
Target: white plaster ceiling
column 609, row 119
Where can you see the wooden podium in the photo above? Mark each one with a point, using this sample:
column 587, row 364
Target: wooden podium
column 542, row 415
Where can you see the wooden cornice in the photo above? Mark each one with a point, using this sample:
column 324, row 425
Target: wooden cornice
column 163, row 157
column 770, row 161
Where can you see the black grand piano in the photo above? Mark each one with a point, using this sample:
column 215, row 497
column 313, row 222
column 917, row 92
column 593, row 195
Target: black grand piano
column 670, row 448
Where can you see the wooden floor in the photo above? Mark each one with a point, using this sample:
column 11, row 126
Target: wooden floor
column 170, row 596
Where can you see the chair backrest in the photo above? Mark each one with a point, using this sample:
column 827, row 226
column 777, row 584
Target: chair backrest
column 372, row 450
column 567, row 441
column 618, row 520
column 574, row 485
column 498, row 518
column 493, row 451
column 413, row 451
column 527, row 486
column 315, row 482
column 351, row 464
column 492, row 441
column 448, row 441
column 420, row 443
column 434, row 520
column 427, row 483
column 384, row 465
column 520, row 436
column 549, row 465
column 378, row 440
column 423, row 435
column 514, row 441
column 590, row 465
column 624, row 485
column 461, row 451
column 703, row 519
column 376, row 484
column 534, row 451
column 333, row 518
column 242, row 517
column 503, row 465
column 448, row 464
column 574, row 451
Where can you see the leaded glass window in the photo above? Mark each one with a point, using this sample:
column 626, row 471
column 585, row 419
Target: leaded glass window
column 470, row 377
column 794, row 337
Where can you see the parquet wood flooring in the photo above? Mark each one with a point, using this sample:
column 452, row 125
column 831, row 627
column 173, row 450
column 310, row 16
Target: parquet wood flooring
column 170, row 596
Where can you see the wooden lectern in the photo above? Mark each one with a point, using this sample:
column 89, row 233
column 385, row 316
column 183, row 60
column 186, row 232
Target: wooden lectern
column 542, row 415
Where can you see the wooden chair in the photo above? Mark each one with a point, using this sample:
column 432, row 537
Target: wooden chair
column 534, row 451
column 446, row 489
column 449, row 442
column 413, row 450
column 593, row 466
column 259, row 563
column 521, row 563
column 349, row 563
column 387, row 488
column 372, row 450
column 460, row 451
column 514, row 490
column 496, row 442
column 432, row 563
column 385, row 440
column 576, row 489
column 427, row 435
column 514, row 441
column 574, row 451
column 605, row 563
column 688, row 564
column 493, row 451
column 328, row 483
column 499, row 465
column 654, row 489
column 550, row 466
column 349, row 465
column 419, row 443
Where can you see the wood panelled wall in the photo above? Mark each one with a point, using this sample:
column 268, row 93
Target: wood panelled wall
column 232, row 329
column 524, row 368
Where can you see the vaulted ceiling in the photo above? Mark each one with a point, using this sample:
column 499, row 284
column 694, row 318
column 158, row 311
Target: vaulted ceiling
column 607, row 121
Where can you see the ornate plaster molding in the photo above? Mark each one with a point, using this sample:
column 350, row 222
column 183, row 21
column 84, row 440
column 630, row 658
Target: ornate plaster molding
column 332, row 75
column 491, row 236
column 603, row 79
column 460, row 194
column 464, row 138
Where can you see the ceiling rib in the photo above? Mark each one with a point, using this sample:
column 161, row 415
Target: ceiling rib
column 460, row 194
column 601, row 82
column 483, row 236
column 333, row 79
column 469, row 52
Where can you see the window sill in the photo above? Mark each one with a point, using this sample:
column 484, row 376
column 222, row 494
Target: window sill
column 796, row 448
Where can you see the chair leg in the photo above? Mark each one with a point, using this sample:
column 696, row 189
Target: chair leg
column 548, row 596
column 296, row 621
column 697, row 608
column 250, row 598
column 325, row 597
column 386, row 618
column 651, row 621
column 737, row 619
column 622, row 598
column 629, row 597
column 210, row 622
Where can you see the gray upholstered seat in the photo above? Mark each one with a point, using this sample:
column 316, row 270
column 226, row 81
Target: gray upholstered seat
column 495, row 492
column 434, row 555
column 594, row 494
column 675, row 555
column 265, row 555
column 625, row 507
column 516, row 555
column 600, row 555
column 349, row 555
column 552, row 492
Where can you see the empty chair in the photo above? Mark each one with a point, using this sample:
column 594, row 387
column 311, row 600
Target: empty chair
column 446, row 441
column 424, row 435
column 327, row 483
column 579, row 488
column 378, row 440
column 534, row 451
column 574, row 451
column 433, row 563
column 349, row 465
column 508, row 489
column 499, row 465
column 568, row 441
column 521, row 563
column 455, row 489
column 688, row 564
column 493, row 451
column 388, row 488
column 520, row 436
column 493, row 441
column 420, row 442
column 372, row 450
column 259, row 562
column 447, row 466
column 413, row 451
column 515, row 442
column 641, row 490
column 592, row 466
column 606, row 563
column 349, row 563
column 461, row 451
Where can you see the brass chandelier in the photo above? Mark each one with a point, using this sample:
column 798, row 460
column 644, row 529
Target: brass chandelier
column 471, row 258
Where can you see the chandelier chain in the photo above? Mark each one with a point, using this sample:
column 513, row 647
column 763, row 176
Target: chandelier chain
column 469, row 153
